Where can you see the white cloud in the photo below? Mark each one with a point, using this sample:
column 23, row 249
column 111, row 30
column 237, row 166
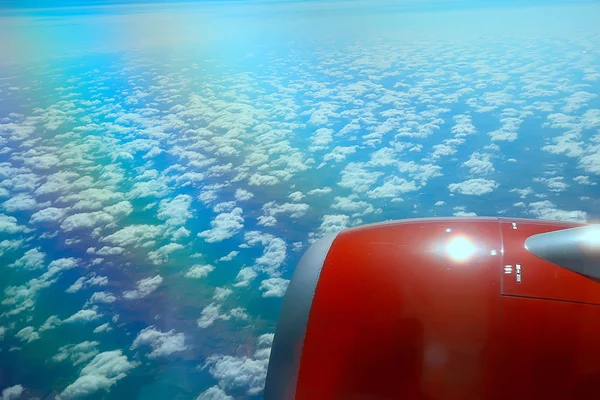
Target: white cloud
column 474, row 187
column 177, row 211
column 420, row 172
column 460, row 212
column 102, row 298
column 9, row 245
column 320, row 192
column 221, row 294
column 181, row 233
column 522, row 192
column 479, row 163
column 77, row 353
column 9, row 225
column 509, row 130
column 207, row 196
column 590, row 163
column 584, row 180
column 103, row 328
column 273, row 256
column 569, row 144
column 20, row 202
column 144, row 288
column 107, row 251
column 229, row 256
column 547, row 210
column 62, row 264
column 32, row 259
column 86, row 220
column 554, row 184
column 463, row 126
column 296, row 210
column 355, row 177
column 209, row 315
column 386, row 156
column 357, row 208
column 27, row 334
column 274, row 287
column 296, row 196
column 392, row 188
column 91, row 280
column 161, row 255
column 224, row 226
column 267, row 220
column 320, row 139
column 2, row 332
column 262, row 180
column 331, row 224
column 50, row 214
column 91, row 198
column 156, row 187
column 245, row 276
column 297, row 246
column 225, row 206
column 339, row 154
column 239, row 313
column 214, row 393
column 121, row 209
column 162, row 343
column 52, row 322
column 246, row 373
column 578, row 100
column 199, row 271
column 253, row 238
column 100, row 374
column 243, row 195
column 14, row 392
column 134, row 235
column 85, row 315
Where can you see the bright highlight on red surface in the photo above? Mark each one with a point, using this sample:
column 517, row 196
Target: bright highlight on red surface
column 460, row 249
column 591, row 236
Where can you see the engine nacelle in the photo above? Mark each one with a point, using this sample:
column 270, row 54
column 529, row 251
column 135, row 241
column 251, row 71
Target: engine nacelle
column 443, row 308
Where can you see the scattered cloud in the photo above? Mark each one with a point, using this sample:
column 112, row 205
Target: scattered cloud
column 246, row 373
column 199, row 271
column 214, row 393
column 474, row 187
column 27, row 334
column 77, row 353
column 274, row 287
column 85, row 315
column 177, row 211
column 210, row 314
column 161, row 255
column 87, row 281
column 13, row 392
column 144, row 288
column 548, row 210
column 100, row 374
column 32, row 259
column 224, row 226
column 134, row 236
column 162, row 343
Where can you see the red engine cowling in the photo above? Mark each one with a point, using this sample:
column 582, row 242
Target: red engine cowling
column 443, row 308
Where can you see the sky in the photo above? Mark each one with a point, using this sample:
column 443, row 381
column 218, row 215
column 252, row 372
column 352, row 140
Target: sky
column 30, row 34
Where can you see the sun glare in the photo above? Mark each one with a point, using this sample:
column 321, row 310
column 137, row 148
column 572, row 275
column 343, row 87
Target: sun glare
column 460, row 249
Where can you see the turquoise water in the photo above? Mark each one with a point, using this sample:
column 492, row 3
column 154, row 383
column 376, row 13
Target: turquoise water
column 139, row 143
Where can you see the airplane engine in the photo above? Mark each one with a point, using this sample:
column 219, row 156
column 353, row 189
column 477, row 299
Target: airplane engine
column 443, row 308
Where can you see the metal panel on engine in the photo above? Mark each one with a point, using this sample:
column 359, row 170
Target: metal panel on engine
column 527, row 275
